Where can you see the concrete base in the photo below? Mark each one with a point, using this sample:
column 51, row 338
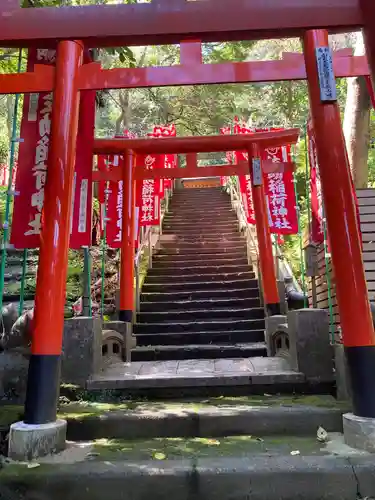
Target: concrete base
column 29, row 442
column 310, row 349
column 129, row 340
column 341, row 374
column 236, row 478
column 82, row 350
column 272, row 326
column 359, row 432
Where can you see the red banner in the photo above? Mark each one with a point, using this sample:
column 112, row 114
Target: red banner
column 148, row 201
column 81, row 223
column 247, row 197
column 114, row 196
column 4, row 175
column 317, row 228
column 280, row 193
column 32, row 166
column 170, row 162
column 278, row 187
column 167, row 161
column 317, row 205
column 281, row 199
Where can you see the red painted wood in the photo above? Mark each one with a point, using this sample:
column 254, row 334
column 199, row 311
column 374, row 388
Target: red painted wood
column 199, row 144
column 92, row 77
column 157, row 23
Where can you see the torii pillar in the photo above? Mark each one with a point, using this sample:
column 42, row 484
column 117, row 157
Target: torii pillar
column 266, row 259
column 41, row 432
column 351, row 289
column 368, row 19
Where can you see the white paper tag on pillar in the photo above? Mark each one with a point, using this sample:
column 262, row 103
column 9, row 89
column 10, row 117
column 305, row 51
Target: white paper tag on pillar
column 257, row 172
column 326, row 75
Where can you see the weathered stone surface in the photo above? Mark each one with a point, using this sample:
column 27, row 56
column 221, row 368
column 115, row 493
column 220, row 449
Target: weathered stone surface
column 129, row 340
column 310, row 349
column 342, row 374
column 283, row 303
column 82, row 350
column 365, row 475
column 359, row 432
column 29, row 442
column 283, row 478
column 13, row 376
column 206, row 422
column 19, row 337
column 255, row 478
column 9, row 315
column 272, row 326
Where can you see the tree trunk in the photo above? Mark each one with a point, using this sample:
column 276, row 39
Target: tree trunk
column 357, row 124
column 122, row 121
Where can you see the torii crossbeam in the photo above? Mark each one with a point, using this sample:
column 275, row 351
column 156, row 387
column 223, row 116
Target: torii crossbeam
column 170, row 21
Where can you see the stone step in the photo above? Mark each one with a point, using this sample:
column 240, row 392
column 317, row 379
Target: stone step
column 176, row 316
column 11, row 275
column 228, row 218
column 228, row 324
column 233, row 241
column 214, row 337
column 210, row 195
column 196, row 278
column 220, row 475
column 199, row 234
column 199, row 378
column 15, row 297
column 162, row 261
column 202, row 285
column 206, row 214
column 204, row 239
column 252, row 416
column 197, row 202
column 162, row 296
column 199, row 269
column 188, row 305
column 209, row 210
column 198, row 249
column 14, row 252
column 187, row 225
column 202, row 351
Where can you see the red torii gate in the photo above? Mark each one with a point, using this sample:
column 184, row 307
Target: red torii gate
column 252, row 143
column 71, row 28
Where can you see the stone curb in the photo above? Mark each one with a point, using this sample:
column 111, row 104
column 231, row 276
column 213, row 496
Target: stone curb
column 257, row 478
column 206, row 422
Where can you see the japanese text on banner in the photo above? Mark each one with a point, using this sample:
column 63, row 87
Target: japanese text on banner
column 32, row 166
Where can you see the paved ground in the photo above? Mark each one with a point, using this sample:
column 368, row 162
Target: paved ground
column 199, row 372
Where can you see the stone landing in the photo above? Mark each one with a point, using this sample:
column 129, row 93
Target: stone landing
column 197, row 373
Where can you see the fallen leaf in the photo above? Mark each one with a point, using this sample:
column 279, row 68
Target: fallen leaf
column 33, row 465
column 322, row 435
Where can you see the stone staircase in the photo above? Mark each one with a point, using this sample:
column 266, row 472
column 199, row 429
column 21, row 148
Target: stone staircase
column 201, row 299
column 13, row 276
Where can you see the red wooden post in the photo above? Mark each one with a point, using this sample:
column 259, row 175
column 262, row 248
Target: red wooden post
column 351, row 289
column 368, row 16
column 44, row 368
column 128, row 240
column 266, row 260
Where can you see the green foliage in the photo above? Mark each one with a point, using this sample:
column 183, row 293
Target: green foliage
column 196, row 110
